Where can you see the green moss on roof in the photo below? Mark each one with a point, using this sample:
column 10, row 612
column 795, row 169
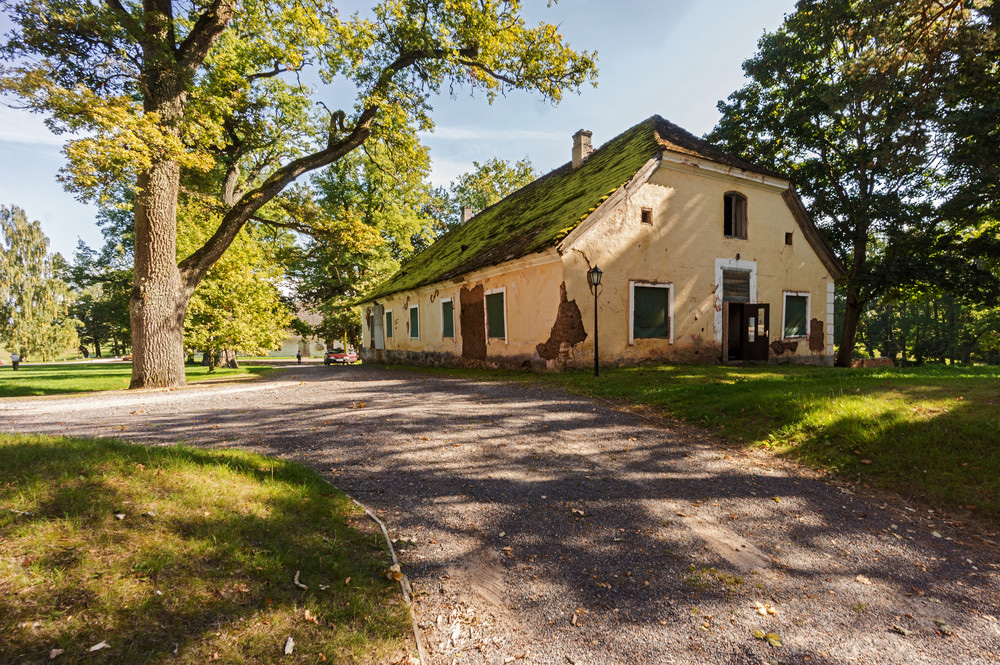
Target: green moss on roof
column 546, row 211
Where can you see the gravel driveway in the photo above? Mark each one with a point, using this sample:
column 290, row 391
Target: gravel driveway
column 539, row 527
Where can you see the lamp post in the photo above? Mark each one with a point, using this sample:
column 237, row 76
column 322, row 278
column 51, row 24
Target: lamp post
column 594, row 279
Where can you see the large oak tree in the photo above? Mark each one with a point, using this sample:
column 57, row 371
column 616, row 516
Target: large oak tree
column 847, row 98
column 241, row 97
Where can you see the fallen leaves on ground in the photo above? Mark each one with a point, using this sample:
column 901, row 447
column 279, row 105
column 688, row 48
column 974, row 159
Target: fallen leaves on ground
column 771, row 638
column 764, row 609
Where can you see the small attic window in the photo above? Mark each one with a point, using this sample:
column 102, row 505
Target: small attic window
column 788, row 238
column 734, row 216
column 647, row 216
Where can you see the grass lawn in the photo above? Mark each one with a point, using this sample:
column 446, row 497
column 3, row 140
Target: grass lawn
column 42, row 379
column 183, row 555
column 928, row 432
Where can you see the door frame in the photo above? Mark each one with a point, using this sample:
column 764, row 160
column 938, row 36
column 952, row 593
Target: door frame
column 730, row 264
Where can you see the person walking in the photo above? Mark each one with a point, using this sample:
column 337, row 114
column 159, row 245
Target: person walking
column 15, row 360
column 298, row 357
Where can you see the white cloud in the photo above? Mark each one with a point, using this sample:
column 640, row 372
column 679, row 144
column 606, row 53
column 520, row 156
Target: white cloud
column 18, row 126
column 444, row 171
column 490, row 133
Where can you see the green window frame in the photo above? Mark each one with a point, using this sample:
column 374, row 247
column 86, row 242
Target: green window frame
column 795, row 314
column 388, row 323
column 651, row 311
column 448, row 318
column 414, row 322
column 496, row 314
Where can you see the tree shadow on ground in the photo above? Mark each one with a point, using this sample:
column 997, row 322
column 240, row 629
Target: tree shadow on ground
column 594, row 509
column 185, row 555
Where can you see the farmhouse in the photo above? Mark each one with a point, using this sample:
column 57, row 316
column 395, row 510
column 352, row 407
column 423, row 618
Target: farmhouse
column 704, row 258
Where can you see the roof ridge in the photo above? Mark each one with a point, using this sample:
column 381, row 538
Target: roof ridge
column 538, row 215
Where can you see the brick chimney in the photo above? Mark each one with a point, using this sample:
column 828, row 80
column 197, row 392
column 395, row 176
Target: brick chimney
column 581, row 147
column 466, row 214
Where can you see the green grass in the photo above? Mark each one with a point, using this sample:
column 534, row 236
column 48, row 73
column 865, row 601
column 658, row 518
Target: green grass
column 198, row 568
column 42, row 379
column 928, row 432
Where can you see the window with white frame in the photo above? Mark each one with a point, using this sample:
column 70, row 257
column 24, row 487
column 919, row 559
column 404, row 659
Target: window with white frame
column 496, row 314
column 651, row 307
column 447, row 318
column 414, row 322
column 795, row 314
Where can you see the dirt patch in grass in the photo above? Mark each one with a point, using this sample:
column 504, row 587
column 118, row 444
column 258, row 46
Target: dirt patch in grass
column 184, row 555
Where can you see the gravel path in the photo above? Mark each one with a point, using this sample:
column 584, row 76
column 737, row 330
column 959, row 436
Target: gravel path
column 539, row 527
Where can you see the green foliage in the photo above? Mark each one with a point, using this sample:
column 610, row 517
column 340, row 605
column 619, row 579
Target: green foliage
column 210, row 95
column 931, row 327
column 846, row 97
column 373, row 204
column 102, row 281
column 34, row 301
column 972, row 123
column 238, row 306
column 241, row 102
column 489, row 182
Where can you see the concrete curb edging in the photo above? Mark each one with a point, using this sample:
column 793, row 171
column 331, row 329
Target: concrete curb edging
column 404, row 583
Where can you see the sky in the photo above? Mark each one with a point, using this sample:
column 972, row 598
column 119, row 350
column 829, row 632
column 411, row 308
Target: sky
column 674, row 58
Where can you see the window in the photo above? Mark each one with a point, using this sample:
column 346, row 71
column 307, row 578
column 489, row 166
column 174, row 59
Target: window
column 388, row 323
column 651, row 307
column 496, row 315
column 795, row 314
column 371, row 326
column 447, row 318
column 414, row 322
column 788, row 238
column 735, row 285
column 647, row 216
column 734, row 221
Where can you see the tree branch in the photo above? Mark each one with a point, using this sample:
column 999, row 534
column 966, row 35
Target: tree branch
column 278, row 69
column 478, row 65
column 128, row 21
column 206, row 30
column 196, row 266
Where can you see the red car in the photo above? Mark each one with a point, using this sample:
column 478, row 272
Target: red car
column 339, row 356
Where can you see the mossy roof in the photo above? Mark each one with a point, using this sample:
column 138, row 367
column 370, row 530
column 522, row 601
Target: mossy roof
column 539, row 215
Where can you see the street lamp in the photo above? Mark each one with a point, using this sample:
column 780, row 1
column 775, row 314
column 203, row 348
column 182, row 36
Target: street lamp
column 594, row 279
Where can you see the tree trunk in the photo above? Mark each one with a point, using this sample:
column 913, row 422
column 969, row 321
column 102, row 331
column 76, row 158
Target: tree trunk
column 229, row 359
column 852, row 314
column 158, row 298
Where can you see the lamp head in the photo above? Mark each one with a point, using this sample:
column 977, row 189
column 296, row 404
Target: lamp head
column 594, row 276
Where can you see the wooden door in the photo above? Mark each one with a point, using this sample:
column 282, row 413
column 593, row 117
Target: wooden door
column 755, row 331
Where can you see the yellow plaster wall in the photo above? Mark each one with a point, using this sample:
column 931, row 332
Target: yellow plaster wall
column 681, row 247
column 531, row 300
